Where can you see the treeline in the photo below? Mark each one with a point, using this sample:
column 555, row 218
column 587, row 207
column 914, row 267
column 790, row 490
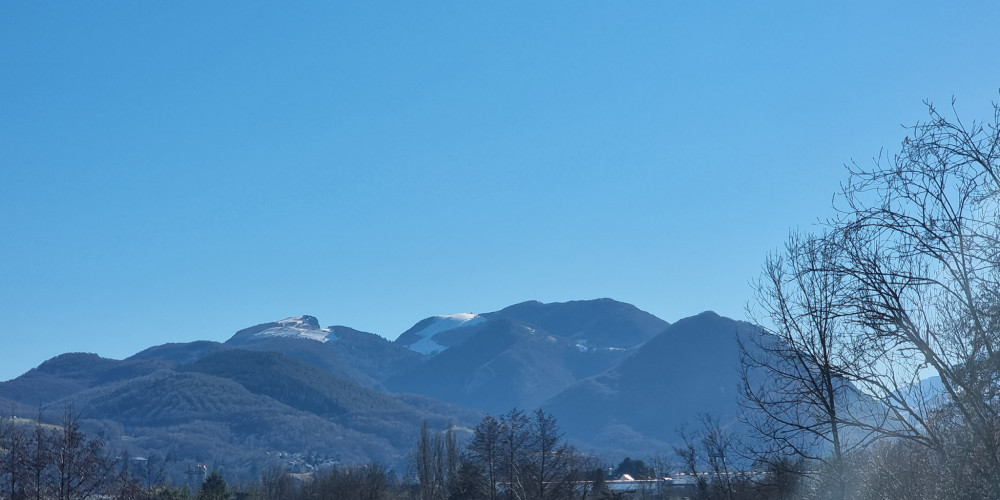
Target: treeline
column 52, row 461
column 523, row 456
column 515, row 456
column 43, row 461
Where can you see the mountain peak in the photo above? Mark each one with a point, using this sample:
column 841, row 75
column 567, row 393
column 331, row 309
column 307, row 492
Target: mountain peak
column 602, row 322
column 305, row 327
column 304, row 322
column 420, row 337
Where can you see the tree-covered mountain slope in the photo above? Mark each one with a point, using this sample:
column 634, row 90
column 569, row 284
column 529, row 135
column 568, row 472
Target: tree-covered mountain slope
column 521, row 355
column 690, row 368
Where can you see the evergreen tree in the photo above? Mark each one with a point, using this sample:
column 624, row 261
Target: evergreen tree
column 214, row 488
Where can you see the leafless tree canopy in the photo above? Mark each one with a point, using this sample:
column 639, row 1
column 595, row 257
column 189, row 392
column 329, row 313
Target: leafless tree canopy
column 39, row 460
column 903, row 283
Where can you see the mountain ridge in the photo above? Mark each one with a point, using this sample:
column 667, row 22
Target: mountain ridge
column 293, row 383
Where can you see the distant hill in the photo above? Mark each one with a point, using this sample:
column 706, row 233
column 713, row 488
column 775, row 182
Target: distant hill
column 180, row 352
column 68, row 374
column 690, row 368
column 233, row 408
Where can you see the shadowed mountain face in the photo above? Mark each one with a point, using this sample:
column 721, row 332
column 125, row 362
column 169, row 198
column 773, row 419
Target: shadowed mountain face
column 521, row 355
column 600, row 323
column 71, row 373
column 596, row 323
column 359, row 356
column 690, row 368
column 503, row 365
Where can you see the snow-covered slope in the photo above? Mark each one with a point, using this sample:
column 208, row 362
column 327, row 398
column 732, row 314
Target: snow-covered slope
column 421, row 338
column 363, row 357
column 304, row 327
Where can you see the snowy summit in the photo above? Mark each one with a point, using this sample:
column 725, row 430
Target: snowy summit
column 427, row 345
column 305, row 327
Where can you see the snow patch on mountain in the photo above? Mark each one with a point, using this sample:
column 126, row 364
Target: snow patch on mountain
column 304, row 327
column 427, row 345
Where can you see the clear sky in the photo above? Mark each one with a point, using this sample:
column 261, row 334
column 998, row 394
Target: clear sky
column 174, row 171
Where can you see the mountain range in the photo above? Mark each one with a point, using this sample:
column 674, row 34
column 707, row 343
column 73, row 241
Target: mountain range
column 619, row 379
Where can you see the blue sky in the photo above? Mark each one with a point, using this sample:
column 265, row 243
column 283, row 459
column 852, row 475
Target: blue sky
column 173, row 171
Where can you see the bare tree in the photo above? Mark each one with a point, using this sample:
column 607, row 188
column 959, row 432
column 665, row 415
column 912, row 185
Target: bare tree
column 80, row 468
column 14, row 457
column 486, row 455
column 374, row 482
column 126, row 484
column 514, row 437
column 37, row 462
column 900, row 469
column 904, row 284
column 687, row 452
column 552, row 461
column 519, row 457
column 794, row 389
column 921, row 237
column 453, row 458
column 277, row 484
column 431, row 465
column 718, row 446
